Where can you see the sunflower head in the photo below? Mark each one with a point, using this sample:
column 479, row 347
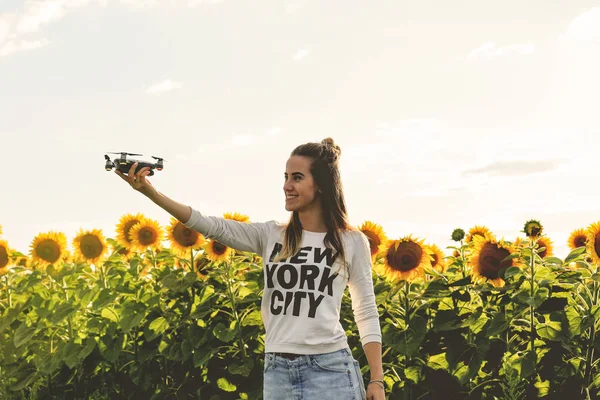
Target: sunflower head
column 458, row 235
column 533, row 228
column 182, row 238
column 146, row 234
column 48, row 248
column 477, row 230
column 404, row 259
column 489, row 259
column 124, row 226
column 375, row 234
column 90, row 246
column 216, row 251
column 593, row 242
column 236, row 217
column 578, row 238
column 437, row 256
column 201, row 266
column 544, row 241
column 4, row 256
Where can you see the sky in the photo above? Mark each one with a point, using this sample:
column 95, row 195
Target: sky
column 448, row 114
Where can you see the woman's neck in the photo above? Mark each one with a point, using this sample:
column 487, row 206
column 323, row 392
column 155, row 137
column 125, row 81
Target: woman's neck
column 312, row 221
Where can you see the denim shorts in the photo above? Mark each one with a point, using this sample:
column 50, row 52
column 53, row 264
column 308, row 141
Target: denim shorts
column 330, row 376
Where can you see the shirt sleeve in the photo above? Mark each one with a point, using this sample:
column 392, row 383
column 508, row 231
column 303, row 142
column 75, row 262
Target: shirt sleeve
column 238, row 235
column 362, row 293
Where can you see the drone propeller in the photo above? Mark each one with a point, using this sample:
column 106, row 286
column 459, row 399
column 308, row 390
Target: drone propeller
column 159, row 158
column 129, row 154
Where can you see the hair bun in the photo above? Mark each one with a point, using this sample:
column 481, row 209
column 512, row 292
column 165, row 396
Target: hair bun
column 331, row 151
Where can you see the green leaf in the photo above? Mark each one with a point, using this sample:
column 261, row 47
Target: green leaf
column 244, row 368
column 574, row 254
column 225, row 385
column 413, row 373
column 528, row 363
column 70, row 355
column 156, row 328
column 498, row 325
column 549, row 330
column 201, row 357
column 223, row 333
column 90, row 344
column 253, row 319
column 110, row 314
column 61, row 312
column 104, row 299
column 575, row 320
column 23, row 334
column 131, row 316
column 438, row 361
column 446, row 320
column 512, row 271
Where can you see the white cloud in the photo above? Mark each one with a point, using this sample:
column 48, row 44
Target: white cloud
column 194, row 3
column 490, row 50
column 274, row 131
column 164, row 86
column 37, row 14
column 293, row 6
column 584, row 27
column 14, row 46
column 300, row 54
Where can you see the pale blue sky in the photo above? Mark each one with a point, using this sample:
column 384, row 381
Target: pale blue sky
column 449, row 114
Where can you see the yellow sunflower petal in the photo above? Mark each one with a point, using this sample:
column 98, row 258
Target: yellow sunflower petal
column 488, row 259
column 477, row 230
column 216, row 251
column 544, row 241
column 578, row 238
column 90, row 246
column 237, row 217
column 146, row 234
column 438, row 261
column 4, row 256
column 183, row 239
column 124, row 226
column 375, row 234
column 48, row 248
column 403, row 259
column 593, row 242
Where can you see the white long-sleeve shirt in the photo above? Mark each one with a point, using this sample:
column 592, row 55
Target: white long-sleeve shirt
column 302, row 295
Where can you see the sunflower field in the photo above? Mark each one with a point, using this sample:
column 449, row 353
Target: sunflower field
column 160, row 312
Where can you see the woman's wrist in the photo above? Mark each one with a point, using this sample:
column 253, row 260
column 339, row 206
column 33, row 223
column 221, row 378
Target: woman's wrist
column 377, row 382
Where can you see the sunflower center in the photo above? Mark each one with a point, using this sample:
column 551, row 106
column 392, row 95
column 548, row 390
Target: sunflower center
column 544, row 252
column 406, row 257
column 491, row 260
column 147, row 236
column 127, row 228
column 534, row 230
column 3, row 257
column 200, row 264
column 579, row 241
column 185, row 236
column 90, row 246
column 218, row 248
column 374, row 241
column 48, row 250
column 434, row 260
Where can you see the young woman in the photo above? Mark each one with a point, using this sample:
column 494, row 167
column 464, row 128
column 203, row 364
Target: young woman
column 308, row 263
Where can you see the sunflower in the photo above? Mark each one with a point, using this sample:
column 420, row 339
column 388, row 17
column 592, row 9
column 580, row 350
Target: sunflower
column 488, row 259
column 237, row 217
column 544, row 241
column 4, row 256
column 458, row 235
column 182, row 238
column 533, row 228
column 22, row 261
column 216, row 251
column 593, row 242
column 404, row 259
column 124, row 226
column 438, row 261
column 48, row 248
column 375, row 235
column 200, row 266
column 577, row 239
column 477, row 230
column 90, row 246
column 146, row 233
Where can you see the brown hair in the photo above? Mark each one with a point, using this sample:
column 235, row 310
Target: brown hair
column 325, row 171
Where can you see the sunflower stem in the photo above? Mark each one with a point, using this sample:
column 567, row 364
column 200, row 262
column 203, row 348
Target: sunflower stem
column 407, row 324
column 590, row 347
column 8, row 291
column 532, row 296
column 236, row 316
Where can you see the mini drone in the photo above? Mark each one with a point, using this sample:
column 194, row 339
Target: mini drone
column 123, row 164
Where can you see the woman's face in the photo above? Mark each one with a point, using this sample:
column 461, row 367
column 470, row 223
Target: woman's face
column 299, row 186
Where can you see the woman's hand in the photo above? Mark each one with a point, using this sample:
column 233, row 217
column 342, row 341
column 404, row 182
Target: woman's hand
column 138, row 180
column 375, row 391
